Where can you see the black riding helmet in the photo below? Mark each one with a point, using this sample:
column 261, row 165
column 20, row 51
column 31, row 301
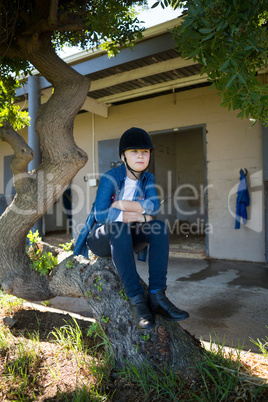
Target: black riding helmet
column 134, row 138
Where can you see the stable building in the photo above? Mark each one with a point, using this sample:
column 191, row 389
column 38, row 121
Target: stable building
column 200, row 147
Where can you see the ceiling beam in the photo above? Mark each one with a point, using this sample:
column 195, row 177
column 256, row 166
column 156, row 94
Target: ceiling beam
column 46, row 93
column 151, row 89
column 142, row 72
column 93, row 106
column 90, row 104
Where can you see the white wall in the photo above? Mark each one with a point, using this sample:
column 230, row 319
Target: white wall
column 231, row 145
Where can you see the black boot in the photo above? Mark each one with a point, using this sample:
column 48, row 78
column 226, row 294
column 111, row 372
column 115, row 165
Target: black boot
column 143, row 317
column 160, row 305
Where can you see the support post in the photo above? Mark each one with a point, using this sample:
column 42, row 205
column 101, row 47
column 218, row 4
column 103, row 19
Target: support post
column 265, row 182
column 33, row 141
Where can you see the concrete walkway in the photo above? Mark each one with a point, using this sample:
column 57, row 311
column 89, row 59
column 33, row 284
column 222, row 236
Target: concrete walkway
column 227, row 300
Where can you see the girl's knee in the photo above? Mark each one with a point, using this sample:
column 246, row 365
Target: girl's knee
column 159, row 227
column 117, row 229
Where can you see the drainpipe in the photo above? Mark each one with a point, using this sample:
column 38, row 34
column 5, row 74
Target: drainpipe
column 93, row 146
column 33, row 141
column 92, row 181
column 265, row 185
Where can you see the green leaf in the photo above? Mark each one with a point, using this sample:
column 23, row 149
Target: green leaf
column 203, row 70
column 205, row 21
column 206, row 30
column 213, row 42
column 155, row 4
column 234, row 62
column 208, row 37
column 233, row 28
column 203, row 59
column 241, row 114
column 221, row 25
column 254, row 96
column 241, row 78
column 194, row 53
column 231, row 80
column 224, row 65
column 212, row 86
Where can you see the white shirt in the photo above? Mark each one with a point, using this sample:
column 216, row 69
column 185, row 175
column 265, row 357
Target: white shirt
column 129, row 190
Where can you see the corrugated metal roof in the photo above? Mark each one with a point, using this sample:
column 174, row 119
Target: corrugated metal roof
column 152, row 68
column 149, row 80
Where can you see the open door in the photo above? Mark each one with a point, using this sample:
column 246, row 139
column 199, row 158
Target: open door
column 179, row 165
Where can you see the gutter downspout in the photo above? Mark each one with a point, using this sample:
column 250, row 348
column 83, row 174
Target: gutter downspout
column 265, row 185
column 93, row 147
column 33, row 141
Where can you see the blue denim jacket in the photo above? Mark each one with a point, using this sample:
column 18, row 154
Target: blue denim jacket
column 110, row 189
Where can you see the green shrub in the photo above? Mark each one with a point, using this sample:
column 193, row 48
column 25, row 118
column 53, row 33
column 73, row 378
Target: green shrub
column 41, row 262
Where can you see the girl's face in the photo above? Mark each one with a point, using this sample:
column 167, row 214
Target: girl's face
column 138, row 159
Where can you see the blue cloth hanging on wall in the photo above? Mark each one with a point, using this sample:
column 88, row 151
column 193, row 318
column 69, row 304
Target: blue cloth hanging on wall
column 242, row 201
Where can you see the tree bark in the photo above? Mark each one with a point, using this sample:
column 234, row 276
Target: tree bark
column 166, row 345
column 36, row 191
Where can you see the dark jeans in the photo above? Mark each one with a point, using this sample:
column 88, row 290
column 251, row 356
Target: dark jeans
column 120, row 240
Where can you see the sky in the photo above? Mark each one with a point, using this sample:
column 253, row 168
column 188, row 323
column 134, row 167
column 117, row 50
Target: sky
column 157, row 15
column 150, row 17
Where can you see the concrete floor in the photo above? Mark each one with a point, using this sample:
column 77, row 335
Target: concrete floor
column 227, row 300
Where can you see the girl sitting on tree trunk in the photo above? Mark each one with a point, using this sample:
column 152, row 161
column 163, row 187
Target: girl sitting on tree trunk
column 121, row 223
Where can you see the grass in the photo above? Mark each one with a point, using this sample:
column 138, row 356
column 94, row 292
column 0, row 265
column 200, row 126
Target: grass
column 74, row 363
column 223, row 377
column 262, row 344
column 21, row 358
column 9, row 303
column 70, row 338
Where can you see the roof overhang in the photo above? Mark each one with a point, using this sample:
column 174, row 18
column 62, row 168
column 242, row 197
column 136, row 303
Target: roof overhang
column 153, row 67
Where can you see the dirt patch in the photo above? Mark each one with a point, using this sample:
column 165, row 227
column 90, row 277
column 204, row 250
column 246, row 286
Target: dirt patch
column 31, row 320
column 58, row 237
column 34, row 367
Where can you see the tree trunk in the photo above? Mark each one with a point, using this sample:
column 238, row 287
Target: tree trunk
column 165, row 345
column 36, row 191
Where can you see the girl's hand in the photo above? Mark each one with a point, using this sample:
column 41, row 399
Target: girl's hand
column 129, row 206
column 116, row 204
column 129, row 217
column 148, row 218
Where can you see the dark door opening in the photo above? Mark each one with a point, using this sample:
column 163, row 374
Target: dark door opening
column 57, row 222
column 178, row 163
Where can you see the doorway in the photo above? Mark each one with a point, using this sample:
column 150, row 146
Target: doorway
column 57, row 222
column 179, row 165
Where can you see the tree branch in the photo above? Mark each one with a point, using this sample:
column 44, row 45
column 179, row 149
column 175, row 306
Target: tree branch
column 74, row 27
column 23, row 154
column 9, row 51
column 46, row 26
column 96, row 279
column 25, row 16
column 53, row 13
